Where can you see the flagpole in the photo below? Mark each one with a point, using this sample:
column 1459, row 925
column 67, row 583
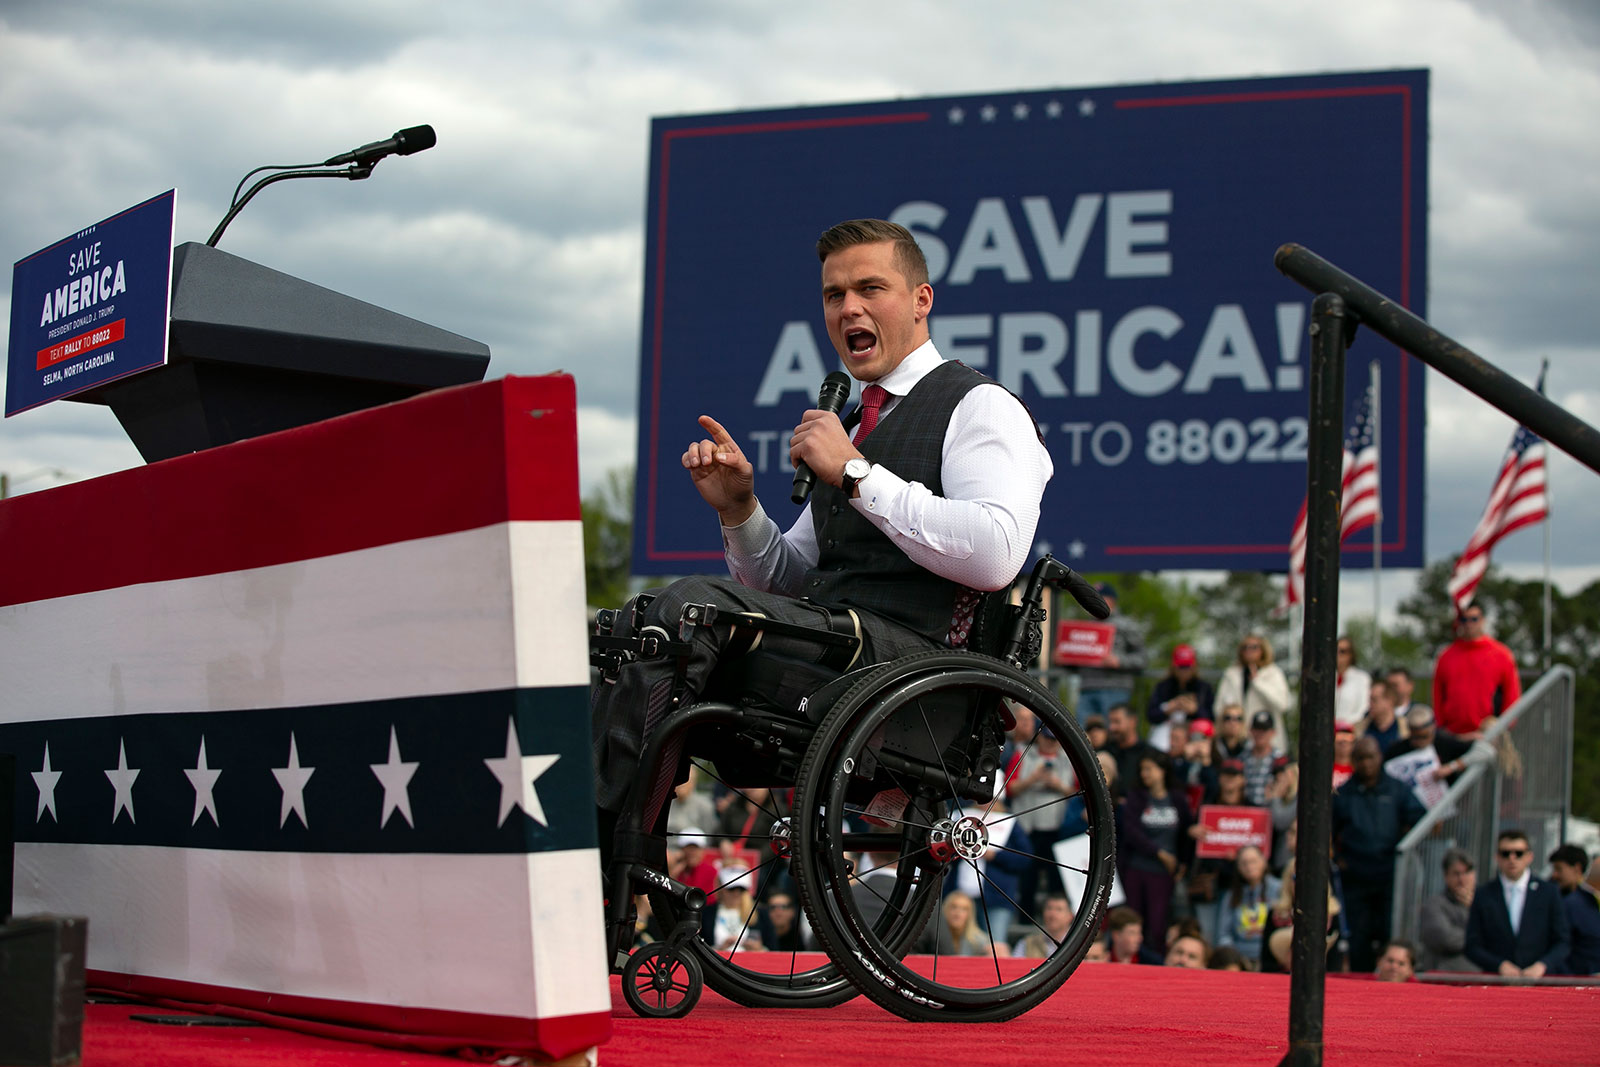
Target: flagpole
column 1543, row 367
column 1377, row 522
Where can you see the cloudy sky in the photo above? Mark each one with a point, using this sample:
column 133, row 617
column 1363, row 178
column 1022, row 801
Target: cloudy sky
column 524, row 227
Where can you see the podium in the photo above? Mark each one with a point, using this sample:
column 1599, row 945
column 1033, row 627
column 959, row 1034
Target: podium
column 301, row 724
column 252, row 351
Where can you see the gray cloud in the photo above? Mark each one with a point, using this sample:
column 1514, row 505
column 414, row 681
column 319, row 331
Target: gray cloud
column 524, row 227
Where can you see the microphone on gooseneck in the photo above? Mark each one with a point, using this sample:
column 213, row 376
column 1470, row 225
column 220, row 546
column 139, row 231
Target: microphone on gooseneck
column 835, row 391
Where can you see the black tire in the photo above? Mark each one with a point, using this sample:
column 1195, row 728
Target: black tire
column 771, row 985
column 660, row 984
column 777, row 979
column 854, row 754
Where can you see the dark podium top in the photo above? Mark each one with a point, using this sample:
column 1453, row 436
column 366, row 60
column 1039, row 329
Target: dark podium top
column 252, row 351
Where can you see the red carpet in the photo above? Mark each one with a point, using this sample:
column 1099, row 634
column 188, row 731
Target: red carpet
column 1104, row 1014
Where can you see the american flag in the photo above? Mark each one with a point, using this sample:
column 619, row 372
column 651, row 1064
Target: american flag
column 1520, row 497
column 1359, row 497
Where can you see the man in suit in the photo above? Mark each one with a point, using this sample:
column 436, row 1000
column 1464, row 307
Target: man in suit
column 1517, row 926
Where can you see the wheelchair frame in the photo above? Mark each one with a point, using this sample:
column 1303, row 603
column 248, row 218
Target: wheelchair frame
column 902, row 724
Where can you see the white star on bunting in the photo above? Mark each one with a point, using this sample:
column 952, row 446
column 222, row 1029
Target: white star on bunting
column 45, row 779
column 956, row 115
column 1019, row 111
column 1053, row 109
column 1076, row 549
column 204, row 780
column 1086, row 107
column 987, row 112
column 396, row 777
column 517, row 773
column 122, row 778
column 292, row 780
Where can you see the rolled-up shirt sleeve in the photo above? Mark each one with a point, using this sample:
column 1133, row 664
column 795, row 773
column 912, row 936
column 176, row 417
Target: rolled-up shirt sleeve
column 980, row 531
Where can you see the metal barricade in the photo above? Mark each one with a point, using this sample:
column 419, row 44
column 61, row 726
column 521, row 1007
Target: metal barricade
column 1527, row 786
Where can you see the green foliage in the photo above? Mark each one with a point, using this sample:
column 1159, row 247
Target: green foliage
column 607, row 539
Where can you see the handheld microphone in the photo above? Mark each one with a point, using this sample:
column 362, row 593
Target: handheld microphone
column 835, row 391
column 403, row 143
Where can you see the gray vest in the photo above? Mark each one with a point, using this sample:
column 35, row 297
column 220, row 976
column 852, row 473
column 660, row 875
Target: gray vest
column 858, row 566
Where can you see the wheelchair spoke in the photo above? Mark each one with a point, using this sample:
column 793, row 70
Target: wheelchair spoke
column 938, row 752
column 988, row 923
column 1021, row 911
column 1005, row 786
column 884, row 818
column 772, row 811
column 1037, row 807
column 1043, row 859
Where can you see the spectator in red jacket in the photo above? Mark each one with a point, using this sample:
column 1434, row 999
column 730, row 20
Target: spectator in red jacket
column 1475, row 678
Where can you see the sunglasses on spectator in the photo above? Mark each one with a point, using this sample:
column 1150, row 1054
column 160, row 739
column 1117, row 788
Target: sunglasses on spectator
column 1512, row 853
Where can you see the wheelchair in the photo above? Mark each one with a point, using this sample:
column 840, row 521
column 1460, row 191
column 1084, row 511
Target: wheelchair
column 893, row 769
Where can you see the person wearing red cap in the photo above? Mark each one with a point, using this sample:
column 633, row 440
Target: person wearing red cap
column 1182, row 693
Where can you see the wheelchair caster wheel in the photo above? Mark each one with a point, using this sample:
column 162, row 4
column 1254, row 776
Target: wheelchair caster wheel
column 659, row 983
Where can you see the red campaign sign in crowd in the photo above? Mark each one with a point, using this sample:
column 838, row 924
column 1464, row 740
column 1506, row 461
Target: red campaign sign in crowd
column 1083, row 644
column 1228, row 829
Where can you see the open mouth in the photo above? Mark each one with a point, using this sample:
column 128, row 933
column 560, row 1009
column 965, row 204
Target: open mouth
column 860, row 342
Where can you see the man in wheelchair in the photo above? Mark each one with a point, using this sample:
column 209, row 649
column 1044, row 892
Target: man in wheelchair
column 926, row 509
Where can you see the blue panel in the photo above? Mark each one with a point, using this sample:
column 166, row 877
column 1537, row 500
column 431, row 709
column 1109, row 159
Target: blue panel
column 1106, row 253
column 92, row 307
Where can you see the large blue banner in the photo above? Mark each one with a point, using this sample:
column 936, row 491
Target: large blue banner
column 1104, row 253
column 92, row 307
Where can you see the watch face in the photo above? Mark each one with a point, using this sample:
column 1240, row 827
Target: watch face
column 857, row 469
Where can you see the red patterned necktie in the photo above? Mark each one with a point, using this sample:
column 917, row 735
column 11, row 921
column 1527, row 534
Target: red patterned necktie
column 872, row 398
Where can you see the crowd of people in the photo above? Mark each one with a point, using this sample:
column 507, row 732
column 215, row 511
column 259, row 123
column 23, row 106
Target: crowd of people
column 1218, row 752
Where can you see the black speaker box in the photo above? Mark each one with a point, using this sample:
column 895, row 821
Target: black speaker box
column 41, row 990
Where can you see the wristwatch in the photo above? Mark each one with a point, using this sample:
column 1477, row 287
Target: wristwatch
column 854, row 471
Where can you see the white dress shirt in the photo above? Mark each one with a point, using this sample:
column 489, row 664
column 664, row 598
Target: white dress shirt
column 979, row 533
column 1516, row 896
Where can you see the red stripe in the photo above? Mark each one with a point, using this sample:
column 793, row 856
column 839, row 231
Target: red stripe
column 423, row 1029
column 81, row 345
column 447, row 461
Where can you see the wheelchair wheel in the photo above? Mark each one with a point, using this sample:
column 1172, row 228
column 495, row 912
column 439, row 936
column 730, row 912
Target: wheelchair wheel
column 658, row 983
column 743, row 972
column 914, row 747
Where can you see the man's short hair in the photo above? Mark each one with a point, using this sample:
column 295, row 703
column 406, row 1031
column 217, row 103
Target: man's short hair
column 1121, row 917
column 1572, row 856
column 1388, row 689
column 1454, row 856
column 1401, row 671
column 1404, row 946
column 1512, row 834
column 907, row 255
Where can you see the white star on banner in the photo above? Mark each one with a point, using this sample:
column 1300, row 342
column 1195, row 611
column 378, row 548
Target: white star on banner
column 987, row 112
column 1086, row 107
column 395, row 776
column 1042, row 549
column 46, row 779
column 956, row 114
column 204, row 780
column 1076, row 549
column 122, row 781
column 292, row 780
column 1019, row 111
column 1053, row 109
column 517, row 773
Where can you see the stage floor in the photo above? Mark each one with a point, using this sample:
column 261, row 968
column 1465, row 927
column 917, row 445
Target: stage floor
column 1105, row 1014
